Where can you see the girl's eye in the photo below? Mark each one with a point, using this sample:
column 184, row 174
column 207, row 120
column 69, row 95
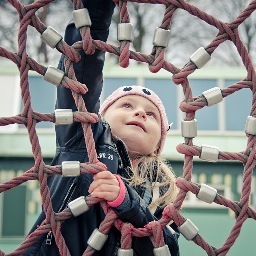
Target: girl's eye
column 127, row 105
column 151, row 114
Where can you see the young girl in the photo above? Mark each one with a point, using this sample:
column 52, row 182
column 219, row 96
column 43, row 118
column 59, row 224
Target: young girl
column 129, row 139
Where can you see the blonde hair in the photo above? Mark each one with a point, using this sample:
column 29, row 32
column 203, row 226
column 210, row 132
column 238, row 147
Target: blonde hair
column 156, row 170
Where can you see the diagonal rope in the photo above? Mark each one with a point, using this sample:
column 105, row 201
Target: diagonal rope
column 190, row 105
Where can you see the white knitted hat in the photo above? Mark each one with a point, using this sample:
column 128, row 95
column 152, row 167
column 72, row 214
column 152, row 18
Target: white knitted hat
column 146, row 93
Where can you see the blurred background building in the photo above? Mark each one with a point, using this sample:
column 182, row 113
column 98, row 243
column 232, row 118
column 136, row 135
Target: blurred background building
column 220, row 125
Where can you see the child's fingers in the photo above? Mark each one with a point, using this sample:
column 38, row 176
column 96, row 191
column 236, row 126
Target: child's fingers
column 105, row 186
column 104, row 175
column 105, row 191
column 96, row 183
column 108, row 196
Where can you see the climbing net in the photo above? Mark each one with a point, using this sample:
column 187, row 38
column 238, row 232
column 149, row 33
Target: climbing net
column 190, row 104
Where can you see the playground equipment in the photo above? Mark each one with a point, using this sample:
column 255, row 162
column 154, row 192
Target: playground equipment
column 156, row 61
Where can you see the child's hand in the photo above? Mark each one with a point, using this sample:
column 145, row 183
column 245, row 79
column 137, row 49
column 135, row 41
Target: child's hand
column 105, row 186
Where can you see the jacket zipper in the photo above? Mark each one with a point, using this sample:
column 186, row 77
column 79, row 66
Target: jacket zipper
column 66, row 200
column 68, row 196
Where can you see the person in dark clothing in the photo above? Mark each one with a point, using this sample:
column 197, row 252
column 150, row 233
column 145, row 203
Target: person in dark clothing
column 129, row 138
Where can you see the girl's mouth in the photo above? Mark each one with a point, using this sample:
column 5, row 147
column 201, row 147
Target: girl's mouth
column 139, row 124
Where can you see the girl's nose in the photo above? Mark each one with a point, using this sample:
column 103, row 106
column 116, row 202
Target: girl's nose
column 140, row 113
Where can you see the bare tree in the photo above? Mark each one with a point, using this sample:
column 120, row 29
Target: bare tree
column 188, row 32
column 145, row 18
column 8, row 26
column 49, row 15
column 229, row 11
column 57, row 15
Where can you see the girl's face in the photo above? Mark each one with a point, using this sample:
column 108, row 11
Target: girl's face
column 137, row 122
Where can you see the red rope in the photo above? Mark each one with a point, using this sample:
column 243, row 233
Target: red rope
column 190, row 104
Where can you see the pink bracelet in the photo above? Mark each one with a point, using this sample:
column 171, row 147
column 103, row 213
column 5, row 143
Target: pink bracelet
column 121, row 195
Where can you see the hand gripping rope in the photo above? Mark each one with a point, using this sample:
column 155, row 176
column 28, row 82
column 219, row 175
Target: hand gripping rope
column 40, row 171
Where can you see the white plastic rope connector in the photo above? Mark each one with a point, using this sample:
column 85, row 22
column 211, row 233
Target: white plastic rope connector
column 97, row 239
column 188, row 229
column 189, row 128
column 63, row 116
column 161, row 37
column 207, row 193
column 53, row 75
column 250, row 125
column 209, row 153
column 200, row 57
column 125, row 252
column 70, row 168
column 82, row 18
column 78, row 206
column 162, row 251
column 51, row 37
column 213, row 96
column 125, row 32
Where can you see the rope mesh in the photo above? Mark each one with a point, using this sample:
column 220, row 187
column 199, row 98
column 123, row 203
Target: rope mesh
column 190, row 104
